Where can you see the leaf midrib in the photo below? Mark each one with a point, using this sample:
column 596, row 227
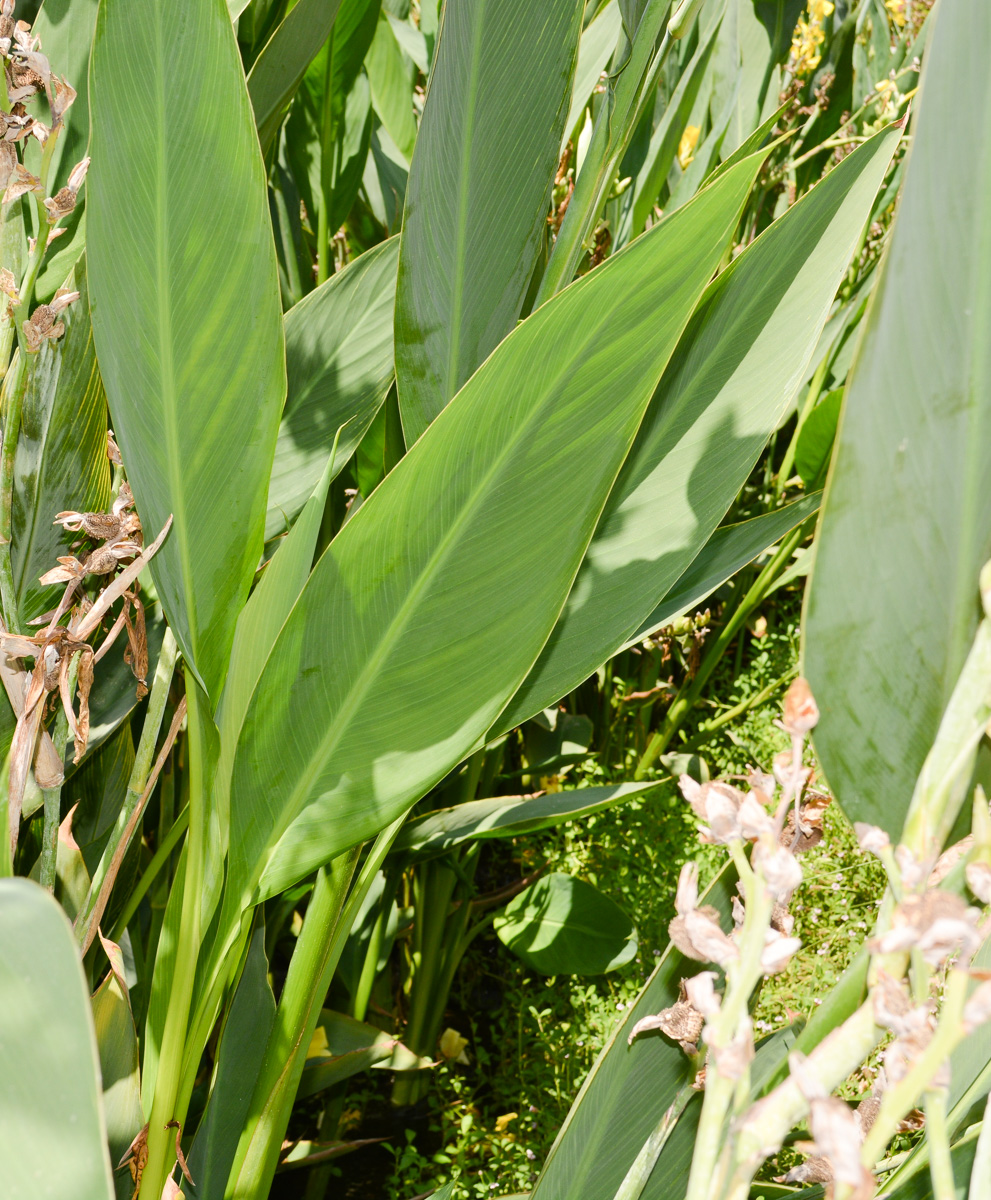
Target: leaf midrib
column 393, row 631
column 167, row 364
column 457, row 296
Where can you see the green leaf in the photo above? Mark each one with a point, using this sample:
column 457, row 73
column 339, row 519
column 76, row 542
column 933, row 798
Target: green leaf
column 815, row 442
column 340, row 365
column 391, row 78
column 61, row 461
column 627, row 1090
column 563, row 926
column 279, row 68
column 242, row 1048
column 53, row 1138
column 457, row 565
column 186, row 313
column 595, row 49
column 351, row 1047
column 118, row 1046
column 732, row 377
column 906, row 522
column 507, row 816
column 664, row 141
column 729, row 549
column 478, row 190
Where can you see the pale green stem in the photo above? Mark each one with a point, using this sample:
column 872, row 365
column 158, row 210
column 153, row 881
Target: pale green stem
column 741, row 978
column 611, row 134
column 318, row 951
column 160, row 857
column 165, row 1104
column 90, row 911
column 903, row 1096
column 940, row 1163
column 980, row 1175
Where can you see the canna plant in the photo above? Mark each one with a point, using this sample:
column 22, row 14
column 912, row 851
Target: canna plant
column 542, row 463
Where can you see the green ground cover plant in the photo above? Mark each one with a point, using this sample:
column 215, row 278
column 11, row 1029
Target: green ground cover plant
column 494, row 599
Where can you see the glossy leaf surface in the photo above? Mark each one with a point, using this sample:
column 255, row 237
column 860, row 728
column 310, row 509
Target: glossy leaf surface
column 478, row 190
column 434, row 572
column 733, row 375
column 185, row 304
column 339, row 362
column 906, row 523
column 564, row 926
column 48, row 1056
column 507, row 816
column 279, row 68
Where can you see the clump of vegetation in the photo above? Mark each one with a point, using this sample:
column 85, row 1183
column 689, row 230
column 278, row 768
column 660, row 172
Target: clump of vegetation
column 417, row 443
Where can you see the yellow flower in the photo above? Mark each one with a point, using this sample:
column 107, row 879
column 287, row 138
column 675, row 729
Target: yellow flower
column 808, row 37
column 897, row 11
column 686, row 147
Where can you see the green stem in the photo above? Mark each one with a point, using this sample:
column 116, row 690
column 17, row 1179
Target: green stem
column 14, row 388
column 611, row 134
column 318, row 950
column 690, row 691
column 165, row 1105
column 811, row 396
column 980, row 1175
column 901, row 1097
column 706, row 730
column 940, row 1163
column 91, row 910
column 159, row 859
column 328, row 141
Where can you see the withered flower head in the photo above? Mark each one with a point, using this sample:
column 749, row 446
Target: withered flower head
column 779, row 868
column 979, row 880
column 64, row 201
column 778, row 951
column 697, row 935
column 702, row 993
column 800, row 710
column 42, row 325
column 938, row 923
column 733, row 1059
column 682, row 1023
column 20, row 182
column 977, row 1010
column 870, row 838
column 8, row 164
column 893, row 1008
column 687, row 896
column 8, row 285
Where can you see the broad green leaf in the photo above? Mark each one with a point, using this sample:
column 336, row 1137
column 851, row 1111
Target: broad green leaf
column 563, row 926
column 906, row 522
column 595, row 49
column 118, row 1047
column 391, row 77
column 340, row 365
column 99, row 787
column 411, row 41
column 264, row 615
column 627, row 1090
column 185, row 299
column 507, row 816
column 345, row 1048
column 53, row 1137
column 279, row 69
column 478, row 190
column 61, row 461
column 384, row 180
column 735, row 371
column 815, row 442
column 457, row 565
column 242, row 1048
column 729, row 549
